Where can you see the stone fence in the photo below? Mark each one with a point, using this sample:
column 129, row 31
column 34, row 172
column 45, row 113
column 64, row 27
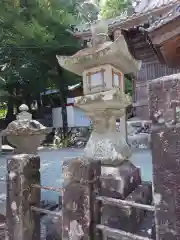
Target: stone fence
column 98, row 200
column 95, row 198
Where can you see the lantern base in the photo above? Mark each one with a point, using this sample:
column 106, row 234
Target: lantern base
column 110, row 148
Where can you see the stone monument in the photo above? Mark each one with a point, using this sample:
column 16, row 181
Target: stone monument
column 102, row 67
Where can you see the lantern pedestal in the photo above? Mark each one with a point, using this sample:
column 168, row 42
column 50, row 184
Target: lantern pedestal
column 111, row 148
column 105, row 143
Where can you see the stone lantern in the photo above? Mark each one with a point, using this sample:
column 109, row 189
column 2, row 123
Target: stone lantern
column 102, row 67
column 24, row 133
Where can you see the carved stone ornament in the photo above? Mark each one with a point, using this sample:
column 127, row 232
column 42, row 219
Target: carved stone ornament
column 105, row 143
column 114, row 96
column 25, row 134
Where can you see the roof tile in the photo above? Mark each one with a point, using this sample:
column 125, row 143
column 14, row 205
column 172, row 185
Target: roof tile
column 150, row 5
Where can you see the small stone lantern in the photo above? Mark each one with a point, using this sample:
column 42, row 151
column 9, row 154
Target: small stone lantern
column 24, row 133
column 102, row 67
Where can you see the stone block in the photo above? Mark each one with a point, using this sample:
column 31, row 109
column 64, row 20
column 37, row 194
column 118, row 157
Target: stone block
column 118, row 182
column 80, row 186
column 125, row 217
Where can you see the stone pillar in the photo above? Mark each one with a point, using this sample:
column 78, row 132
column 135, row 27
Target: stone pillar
column 22, row 223
column 80, row 186
column 23, row 170
column 164, row 102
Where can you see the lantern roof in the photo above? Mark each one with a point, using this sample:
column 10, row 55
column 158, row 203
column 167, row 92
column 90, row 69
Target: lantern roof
column 101, row 52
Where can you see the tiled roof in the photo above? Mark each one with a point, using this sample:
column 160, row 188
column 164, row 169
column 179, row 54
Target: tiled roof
column 151, row 5
column 173, row 14
column 143, row 8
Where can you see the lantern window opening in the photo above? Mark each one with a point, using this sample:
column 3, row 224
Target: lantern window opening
column 95, row 79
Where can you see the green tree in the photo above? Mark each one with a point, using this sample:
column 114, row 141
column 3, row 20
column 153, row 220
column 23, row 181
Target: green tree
column 113, row 8
column 128, row 85
column 33, row 33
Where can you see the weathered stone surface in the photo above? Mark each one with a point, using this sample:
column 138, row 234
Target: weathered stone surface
column 25, row 135
column 24, row 127
column 105, row 143
column 166, row 176
column 119, row 181
column 80, row 185
column 22, row 223
column 164, row 92
column 142, row 194
column 127, row 218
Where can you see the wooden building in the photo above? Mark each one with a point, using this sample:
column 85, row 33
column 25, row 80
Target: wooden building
column 157, row 46
column 146, row 28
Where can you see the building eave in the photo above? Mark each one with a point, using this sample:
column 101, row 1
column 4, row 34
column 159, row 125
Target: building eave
column 131, row 21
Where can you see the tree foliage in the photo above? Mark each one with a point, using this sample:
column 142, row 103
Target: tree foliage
column 32, row 34
column 113, row 8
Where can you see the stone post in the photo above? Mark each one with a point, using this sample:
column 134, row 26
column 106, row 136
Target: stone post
column 22, row 223
column 80, row 186
column 23, row 171
column 164, row 102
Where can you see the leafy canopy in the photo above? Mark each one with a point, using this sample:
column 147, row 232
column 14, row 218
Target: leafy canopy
column 113, row 8
column 31, row 36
